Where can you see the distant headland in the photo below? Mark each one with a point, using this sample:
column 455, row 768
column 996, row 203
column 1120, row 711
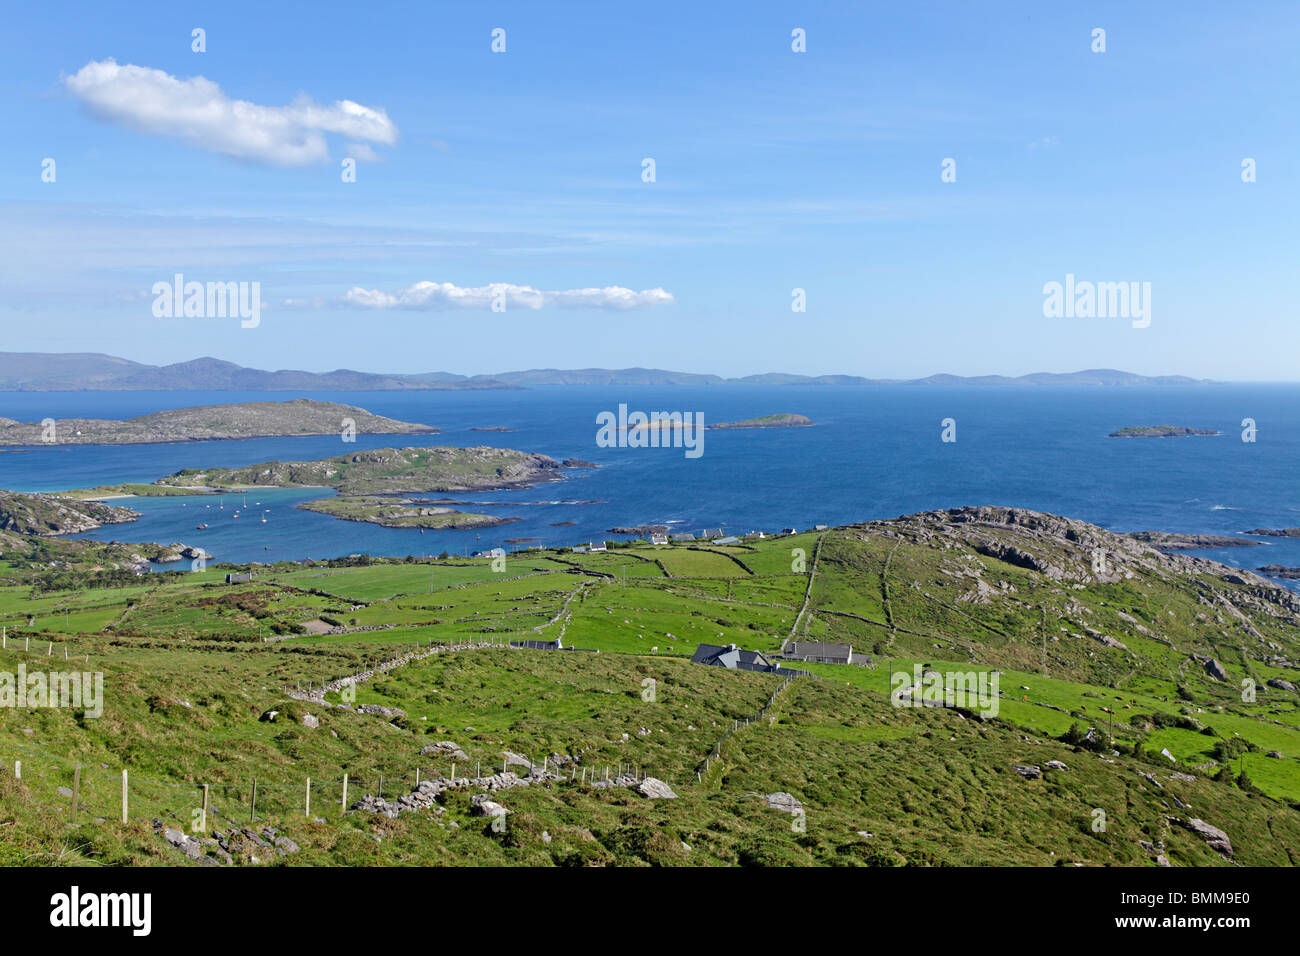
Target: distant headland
column 92, row 371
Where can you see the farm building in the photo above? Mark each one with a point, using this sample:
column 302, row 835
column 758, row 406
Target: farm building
column 240, row 577
column 658, row 539
column 729, row 539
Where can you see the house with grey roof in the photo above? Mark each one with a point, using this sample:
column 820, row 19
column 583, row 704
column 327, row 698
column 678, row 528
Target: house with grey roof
column 821, row 652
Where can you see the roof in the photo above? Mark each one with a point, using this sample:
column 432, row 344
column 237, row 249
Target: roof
column 730, row 539
column 719, row 655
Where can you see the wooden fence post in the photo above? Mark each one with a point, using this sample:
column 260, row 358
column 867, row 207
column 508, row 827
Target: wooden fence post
column 345, row 793
column 76, row 791
column 253, row 817
column 203, row 820
column 124, row 795
column 307, row 808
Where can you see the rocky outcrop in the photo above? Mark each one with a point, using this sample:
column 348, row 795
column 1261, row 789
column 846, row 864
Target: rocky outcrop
column 1215, row 838
column 655, row 789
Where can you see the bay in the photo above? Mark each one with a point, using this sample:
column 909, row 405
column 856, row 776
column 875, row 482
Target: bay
column 874, row 452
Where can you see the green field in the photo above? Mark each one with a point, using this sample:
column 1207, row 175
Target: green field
column 190, row 665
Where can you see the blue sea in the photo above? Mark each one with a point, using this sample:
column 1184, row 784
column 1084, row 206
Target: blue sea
column 874, row 452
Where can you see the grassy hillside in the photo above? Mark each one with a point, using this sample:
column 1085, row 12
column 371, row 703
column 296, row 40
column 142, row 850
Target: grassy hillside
column 1147, row 651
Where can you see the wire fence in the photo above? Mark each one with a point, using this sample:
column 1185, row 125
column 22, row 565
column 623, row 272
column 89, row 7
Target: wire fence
column 89, row 791
column 702, row 773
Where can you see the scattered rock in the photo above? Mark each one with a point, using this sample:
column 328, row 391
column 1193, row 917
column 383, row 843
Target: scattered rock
column 285, row 845
column 1028, row 772
column 655, row 789
column 1215, row 838
column 782, row 801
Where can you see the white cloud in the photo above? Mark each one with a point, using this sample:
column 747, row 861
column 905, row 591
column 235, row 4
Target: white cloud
column 197, row 111
column 445, row 295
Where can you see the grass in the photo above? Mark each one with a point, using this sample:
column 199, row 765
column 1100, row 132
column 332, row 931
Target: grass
column 189, row 671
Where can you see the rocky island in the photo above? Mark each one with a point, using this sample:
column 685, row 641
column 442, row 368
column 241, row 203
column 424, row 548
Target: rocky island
column 782, row 420
column 393, row 471
column 1275, row 532
column 1160, row 431
column 401, row 512
column 299, row 417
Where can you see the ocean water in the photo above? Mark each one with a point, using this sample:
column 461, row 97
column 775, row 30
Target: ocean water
column 874, row 452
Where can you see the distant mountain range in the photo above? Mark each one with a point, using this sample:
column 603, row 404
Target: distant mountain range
column 90, row 371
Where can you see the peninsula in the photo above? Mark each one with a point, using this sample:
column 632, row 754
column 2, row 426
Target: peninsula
column 299, row 417
column 393, row 471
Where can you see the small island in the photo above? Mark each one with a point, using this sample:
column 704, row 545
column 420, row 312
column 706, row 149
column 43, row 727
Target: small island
column 1160, row 431
column 1275, row 532
column 299, row 417
column 401, row 513
column 781, row 420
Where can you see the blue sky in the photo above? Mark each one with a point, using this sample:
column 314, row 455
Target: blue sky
column 775, row 170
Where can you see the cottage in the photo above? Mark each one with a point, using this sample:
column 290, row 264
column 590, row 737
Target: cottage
column 239, row 577
column 684, row 536
column 708, row 533
column 658, row 538
column 729, row 539
column 597, row 546
column 821, row 652
column 730, row 656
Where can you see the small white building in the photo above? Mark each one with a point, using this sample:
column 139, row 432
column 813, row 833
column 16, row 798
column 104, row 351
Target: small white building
column 657, row 538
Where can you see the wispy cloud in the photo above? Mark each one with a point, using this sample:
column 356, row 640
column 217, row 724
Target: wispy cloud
column 196, row 111
column 446, row 295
